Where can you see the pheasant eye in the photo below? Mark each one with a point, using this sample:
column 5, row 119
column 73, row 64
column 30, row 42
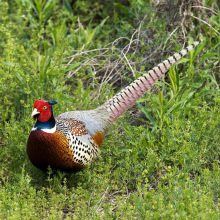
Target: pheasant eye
column 45, row 107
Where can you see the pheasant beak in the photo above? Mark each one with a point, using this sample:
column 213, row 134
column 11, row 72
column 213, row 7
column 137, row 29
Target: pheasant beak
column 34, row 113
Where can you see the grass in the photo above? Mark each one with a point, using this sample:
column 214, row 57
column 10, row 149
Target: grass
column 165, row 166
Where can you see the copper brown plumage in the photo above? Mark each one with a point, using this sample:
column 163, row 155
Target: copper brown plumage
column 73, row 139
column 52, row 149
column 69, row 148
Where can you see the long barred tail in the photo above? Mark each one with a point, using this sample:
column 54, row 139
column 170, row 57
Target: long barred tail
column 118, row 104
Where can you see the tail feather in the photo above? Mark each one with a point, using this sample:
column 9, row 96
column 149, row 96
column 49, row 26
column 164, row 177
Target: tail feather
column 118, row 104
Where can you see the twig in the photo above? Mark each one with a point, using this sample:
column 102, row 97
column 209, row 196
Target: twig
column 169, row 38
column 129, row 64
column 199, row 6
column 118, row 40
column 81, row 50
column 88, row 51
column 101, row 200
column 205, row 23
column 70, row 73
column 131, row 40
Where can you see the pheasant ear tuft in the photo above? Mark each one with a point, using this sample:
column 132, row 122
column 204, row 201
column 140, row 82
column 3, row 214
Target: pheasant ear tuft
column 52, row 102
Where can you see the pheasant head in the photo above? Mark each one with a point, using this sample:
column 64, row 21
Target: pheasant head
column 43, row 112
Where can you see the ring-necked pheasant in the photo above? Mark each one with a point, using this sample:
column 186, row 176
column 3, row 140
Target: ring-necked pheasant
column 73, row 139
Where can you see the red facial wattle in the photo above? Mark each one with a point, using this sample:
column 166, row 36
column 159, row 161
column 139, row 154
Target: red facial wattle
column 41, row 111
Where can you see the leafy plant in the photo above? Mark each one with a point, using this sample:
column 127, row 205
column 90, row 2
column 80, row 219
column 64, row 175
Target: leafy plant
column 79, row 53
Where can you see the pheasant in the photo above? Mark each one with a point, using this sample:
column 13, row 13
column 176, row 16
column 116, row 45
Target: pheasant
column 72, row 140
